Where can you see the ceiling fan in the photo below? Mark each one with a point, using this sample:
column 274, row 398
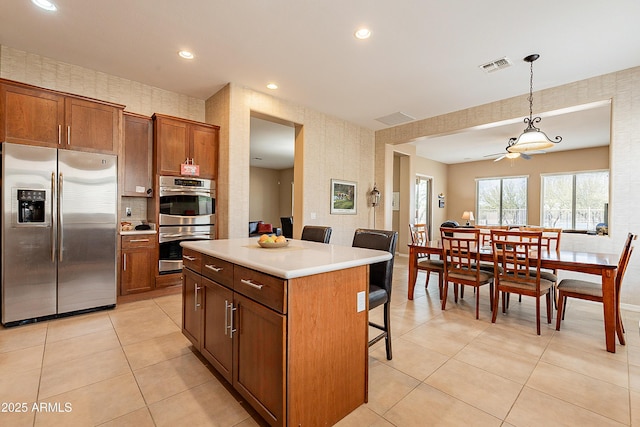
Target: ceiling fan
column 510, row 155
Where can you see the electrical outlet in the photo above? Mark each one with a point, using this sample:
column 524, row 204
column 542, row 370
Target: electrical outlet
column 128, row 211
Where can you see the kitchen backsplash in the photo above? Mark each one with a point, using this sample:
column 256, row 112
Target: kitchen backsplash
column 138, row 207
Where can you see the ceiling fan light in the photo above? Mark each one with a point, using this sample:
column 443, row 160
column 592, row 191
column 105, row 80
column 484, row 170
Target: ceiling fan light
column 512, row 155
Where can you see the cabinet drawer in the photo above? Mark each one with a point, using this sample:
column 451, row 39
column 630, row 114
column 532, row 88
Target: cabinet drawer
column 260, row 287
column 139, row 241
column 192, row 260
column 218, row 270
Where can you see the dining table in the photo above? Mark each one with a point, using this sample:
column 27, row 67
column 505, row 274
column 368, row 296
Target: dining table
column 601, row 264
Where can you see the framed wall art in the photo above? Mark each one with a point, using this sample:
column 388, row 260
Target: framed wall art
column 343, row 197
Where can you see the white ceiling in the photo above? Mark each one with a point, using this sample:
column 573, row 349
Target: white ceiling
column 272, row 144
column 422, row 58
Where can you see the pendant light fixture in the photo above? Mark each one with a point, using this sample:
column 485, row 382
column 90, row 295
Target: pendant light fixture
column 532, row 139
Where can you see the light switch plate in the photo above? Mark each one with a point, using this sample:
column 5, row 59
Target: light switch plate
column 362, row 306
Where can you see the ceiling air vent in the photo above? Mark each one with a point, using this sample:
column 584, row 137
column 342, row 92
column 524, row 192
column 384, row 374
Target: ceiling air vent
column 395, row 119
column 496, row 65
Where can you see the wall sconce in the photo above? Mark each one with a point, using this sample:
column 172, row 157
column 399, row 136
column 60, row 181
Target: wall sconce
column 468, row 216
column 374, row 196
column 374, row 200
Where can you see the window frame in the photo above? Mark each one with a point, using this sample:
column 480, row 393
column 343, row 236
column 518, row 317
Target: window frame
column 573, row 174
column 502, row 179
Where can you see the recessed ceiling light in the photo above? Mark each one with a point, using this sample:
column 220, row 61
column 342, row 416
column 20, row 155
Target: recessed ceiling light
column 272, row 86
column 186, row 54
column 45, row 4
column 362, row 33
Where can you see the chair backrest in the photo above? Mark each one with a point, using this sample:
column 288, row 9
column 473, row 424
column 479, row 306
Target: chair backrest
column 381, row 273
column 485, row 232
column 550, row 237
column 419, row 235
column 516, row 252
column 287, row 226
column 624, row 260
column 461, row 249
column 316, row 233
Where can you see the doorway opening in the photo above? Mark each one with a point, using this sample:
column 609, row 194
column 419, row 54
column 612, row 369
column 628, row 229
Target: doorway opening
column 271, row 176
column 423, row 208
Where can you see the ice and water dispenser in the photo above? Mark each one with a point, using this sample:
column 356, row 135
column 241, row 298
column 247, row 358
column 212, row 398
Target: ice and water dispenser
column 31, row 208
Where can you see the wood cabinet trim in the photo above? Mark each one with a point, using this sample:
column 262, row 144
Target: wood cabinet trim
column 65, row 94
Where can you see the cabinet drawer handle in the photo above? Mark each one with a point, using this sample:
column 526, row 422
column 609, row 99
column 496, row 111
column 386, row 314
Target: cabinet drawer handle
column 214, row 268
column 188, row 258
column 196, row 303
column 68, row 135
column 124, row 259
column 231, row 328
column 138, row 240
column 59, row 134
column 250, row 283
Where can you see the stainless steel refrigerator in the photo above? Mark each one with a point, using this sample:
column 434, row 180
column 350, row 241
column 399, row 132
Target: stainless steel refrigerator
column 59, row 218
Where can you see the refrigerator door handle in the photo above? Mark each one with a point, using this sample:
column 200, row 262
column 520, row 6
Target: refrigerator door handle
column 60, row 217
column 53, row 229
column 59, row 134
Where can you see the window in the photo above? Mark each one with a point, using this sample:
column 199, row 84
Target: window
column 576, row 201
column 502, row 201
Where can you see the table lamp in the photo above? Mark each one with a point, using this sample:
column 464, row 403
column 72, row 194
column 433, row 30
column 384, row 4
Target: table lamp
column 468, row 215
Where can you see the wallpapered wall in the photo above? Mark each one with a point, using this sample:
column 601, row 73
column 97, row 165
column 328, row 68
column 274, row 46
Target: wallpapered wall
column 326, row 148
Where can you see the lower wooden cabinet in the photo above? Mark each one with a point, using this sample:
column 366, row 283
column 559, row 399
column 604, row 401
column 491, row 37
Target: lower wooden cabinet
column 242, row 339
column 138, row 262
column 295, row 349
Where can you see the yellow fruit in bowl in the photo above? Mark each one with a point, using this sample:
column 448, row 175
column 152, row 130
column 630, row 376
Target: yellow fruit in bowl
column 281, row 239
column 263, row 238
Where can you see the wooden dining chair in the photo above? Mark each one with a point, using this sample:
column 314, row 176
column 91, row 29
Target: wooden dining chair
column 550, row 241
column 592, row 291
column 461, row 249
column 420, row 236
column 517, row 269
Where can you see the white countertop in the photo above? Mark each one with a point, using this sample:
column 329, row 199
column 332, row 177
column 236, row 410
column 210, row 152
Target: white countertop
column 300, row 258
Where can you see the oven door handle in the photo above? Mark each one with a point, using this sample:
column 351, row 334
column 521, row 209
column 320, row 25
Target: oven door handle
column 182, row 236
column 183, row 192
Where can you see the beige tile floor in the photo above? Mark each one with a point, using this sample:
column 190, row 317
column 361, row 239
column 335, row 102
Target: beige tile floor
column 131, row 366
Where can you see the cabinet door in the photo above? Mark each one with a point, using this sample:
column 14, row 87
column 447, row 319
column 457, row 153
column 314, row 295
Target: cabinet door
column 217, row 344
column 138, row 155
column 171, row 145
column 259, row 371
column 31, row 116
column 204, row 150
column 92, row 126
column 137, row 271
column 191, row 306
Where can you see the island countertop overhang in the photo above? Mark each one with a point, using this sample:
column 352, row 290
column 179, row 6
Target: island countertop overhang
column 300, row 258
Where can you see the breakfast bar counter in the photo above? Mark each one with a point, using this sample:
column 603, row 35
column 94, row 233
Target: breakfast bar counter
column 287, row 326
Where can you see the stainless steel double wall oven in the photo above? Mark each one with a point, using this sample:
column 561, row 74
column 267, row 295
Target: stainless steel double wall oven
column 187, row 212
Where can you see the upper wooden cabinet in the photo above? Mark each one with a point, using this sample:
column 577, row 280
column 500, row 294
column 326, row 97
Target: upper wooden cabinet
column 178, row 140
column 36, row 116
column 137, row 153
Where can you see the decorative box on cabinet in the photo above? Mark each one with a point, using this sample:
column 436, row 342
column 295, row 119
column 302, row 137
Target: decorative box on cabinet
column 137, row 176
column 37, row 116
column 139, row 252
column 177, row 141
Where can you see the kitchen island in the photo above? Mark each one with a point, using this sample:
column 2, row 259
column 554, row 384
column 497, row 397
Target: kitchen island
column 287, row 327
